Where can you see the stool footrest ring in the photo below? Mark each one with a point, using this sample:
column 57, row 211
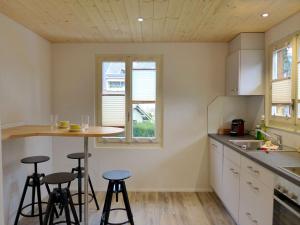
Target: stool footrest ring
column 64, row 222
column 30, row 205
column 115, row 209
column 82, row 203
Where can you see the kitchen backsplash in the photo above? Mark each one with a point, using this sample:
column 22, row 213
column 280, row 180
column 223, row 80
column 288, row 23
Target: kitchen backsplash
column 226, row 108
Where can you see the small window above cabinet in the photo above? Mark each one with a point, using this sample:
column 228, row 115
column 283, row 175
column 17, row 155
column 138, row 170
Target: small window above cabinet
column 245, row 65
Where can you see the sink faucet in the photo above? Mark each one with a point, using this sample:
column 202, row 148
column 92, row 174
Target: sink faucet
column 278, row 140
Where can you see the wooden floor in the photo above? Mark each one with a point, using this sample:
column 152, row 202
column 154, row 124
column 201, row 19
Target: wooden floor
column 155, row 208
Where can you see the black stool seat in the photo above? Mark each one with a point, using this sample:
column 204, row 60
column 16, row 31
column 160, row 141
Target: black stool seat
column 35, row 159
column 78, row 155
column 115, row 175
column 59, row 178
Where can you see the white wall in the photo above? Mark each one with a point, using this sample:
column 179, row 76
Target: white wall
column 25, row 97
column 282, row 30
column 193, row 75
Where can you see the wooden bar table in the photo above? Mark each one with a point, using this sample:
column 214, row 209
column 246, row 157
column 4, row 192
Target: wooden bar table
column 40, row 130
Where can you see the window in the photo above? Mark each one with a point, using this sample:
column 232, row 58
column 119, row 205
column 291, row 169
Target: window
column 284, row 86
column 129, row 96
column 281, row 82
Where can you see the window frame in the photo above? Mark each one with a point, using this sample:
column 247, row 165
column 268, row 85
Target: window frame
column 129, row 140
column 292, row 123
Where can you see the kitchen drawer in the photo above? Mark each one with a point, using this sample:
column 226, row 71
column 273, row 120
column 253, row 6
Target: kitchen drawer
column 256, row 201
column 217, row 146
column 232, row 156
column 258, row 172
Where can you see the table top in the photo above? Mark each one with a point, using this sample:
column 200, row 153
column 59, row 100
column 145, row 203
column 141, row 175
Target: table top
column 44, row 130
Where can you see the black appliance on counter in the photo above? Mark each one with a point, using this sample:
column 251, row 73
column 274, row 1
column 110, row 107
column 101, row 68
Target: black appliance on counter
column 237, row 127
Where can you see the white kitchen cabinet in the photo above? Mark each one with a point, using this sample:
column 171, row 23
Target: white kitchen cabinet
column 256, row 200
column 245, row 73
column 247, row 203
column 231, row 183
column 244, row 187
column 216, row 163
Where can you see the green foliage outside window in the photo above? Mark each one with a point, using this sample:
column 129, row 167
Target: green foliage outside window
column 144, row 129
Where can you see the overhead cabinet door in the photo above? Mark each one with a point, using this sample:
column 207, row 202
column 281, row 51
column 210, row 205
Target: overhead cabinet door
column 245, row 73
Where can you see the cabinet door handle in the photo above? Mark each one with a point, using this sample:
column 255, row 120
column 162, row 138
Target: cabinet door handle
column 252, row 186
column 249, row 215
column 233, row 171
column 253, row 170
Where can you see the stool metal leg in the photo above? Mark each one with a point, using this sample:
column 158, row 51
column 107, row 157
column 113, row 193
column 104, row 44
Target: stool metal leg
column 22, row 201
column 67, row 213
column 48, row 191
column 105, row 203
column 93, row 193
column 69, row 184
column 72, row 207
column 49, row 208
column 38, row 185
column 52, row 215
column 33, row 200
column 126, row 202
column 80, row 190
column 108, row 203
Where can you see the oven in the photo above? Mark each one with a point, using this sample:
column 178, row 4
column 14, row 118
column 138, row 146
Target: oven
column 286, row 207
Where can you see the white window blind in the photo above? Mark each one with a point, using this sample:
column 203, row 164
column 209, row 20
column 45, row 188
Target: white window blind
column 281, row 92
column 113, row 94
column 113, row 111
column 143, row 85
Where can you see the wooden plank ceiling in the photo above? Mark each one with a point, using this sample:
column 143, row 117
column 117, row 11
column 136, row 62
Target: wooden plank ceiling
column 164, row 20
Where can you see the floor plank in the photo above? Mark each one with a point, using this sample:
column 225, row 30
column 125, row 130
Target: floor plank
column 164, row 208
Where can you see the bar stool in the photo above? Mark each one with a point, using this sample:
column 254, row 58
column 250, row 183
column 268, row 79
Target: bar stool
column 79, row 172
column 116, row 185
column 60, row 196
column 35, row 181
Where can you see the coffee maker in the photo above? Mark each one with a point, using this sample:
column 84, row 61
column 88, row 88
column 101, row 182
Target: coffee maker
column 237, row 127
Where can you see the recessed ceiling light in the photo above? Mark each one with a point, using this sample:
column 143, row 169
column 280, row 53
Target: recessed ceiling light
column 140, row 19
column 264, row 15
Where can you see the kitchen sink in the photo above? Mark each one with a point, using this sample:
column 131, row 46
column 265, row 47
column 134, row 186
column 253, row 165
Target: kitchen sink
column 248, row 145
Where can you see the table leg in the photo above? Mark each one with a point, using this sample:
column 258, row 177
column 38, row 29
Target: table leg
column 86, row 178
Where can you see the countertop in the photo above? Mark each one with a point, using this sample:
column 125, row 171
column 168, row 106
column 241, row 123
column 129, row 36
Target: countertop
column 272, row 160
column 44, row 130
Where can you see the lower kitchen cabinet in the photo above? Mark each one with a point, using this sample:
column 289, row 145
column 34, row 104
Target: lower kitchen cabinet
column 244, row 187
column 256, row 200
column 231, row 186
column 216, row 162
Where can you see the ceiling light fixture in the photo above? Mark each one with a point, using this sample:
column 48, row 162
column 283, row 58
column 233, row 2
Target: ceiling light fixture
column 264, row 15
column 140, row 19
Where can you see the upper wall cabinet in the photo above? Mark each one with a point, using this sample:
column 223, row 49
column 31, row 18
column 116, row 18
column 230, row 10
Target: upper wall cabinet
column 245, row 65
